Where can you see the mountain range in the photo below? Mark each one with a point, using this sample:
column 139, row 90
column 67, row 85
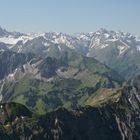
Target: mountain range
column 55, row 86
column 120, row 51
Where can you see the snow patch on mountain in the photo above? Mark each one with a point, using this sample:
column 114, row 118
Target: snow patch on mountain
column 9, row 40
column 12, row 41
column 59, row 48
column 138, row 48
column 122, row 49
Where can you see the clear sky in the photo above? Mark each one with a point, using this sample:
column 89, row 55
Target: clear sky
column 70, row 16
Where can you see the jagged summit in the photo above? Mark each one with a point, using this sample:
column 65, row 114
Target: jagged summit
column 3, row 32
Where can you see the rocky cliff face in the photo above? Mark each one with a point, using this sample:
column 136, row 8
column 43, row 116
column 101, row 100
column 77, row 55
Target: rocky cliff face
column 9, row 61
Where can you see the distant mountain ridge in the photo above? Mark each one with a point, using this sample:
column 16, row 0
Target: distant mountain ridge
column 99, row 39
column 118, row 50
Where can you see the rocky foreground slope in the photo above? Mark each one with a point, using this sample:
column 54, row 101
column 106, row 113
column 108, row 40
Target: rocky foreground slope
column 118, row 120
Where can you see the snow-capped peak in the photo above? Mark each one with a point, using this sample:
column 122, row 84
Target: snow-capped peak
column 123, row 41
column 82, row 42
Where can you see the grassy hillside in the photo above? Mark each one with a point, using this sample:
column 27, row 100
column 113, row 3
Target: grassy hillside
column 50, row 83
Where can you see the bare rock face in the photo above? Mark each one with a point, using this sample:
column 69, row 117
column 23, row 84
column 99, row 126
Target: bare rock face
column 9, row 61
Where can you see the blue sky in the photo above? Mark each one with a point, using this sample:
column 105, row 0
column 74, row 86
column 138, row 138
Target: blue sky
column 70, row 16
